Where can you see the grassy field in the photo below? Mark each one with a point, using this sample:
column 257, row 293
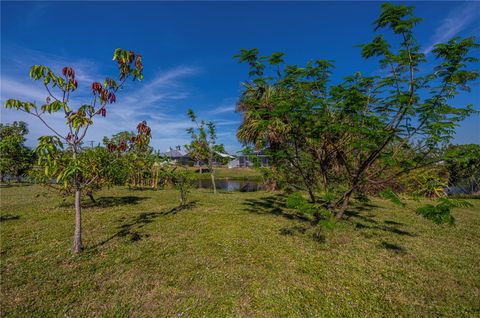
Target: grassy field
column 231, row 255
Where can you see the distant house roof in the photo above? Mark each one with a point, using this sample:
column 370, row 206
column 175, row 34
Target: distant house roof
column 254, row 153
column 174, row 153
column 224, row 155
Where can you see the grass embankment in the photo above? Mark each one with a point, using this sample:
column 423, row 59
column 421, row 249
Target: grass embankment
column 233, row 254
column 229, row 173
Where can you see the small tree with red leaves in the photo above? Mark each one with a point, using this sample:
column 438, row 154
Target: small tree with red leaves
column 136, row 154
column 73, row 170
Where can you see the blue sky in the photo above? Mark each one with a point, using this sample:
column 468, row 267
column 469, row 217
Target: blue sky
column 187, row 49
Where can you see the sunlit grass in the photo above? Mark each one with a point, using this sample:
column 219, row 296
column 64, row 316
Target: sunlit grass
column 233, row 254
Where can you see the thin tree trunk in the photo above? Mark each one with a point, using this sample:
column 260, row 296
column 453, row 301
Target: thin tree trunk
column 183, row 197
column 77, row 238
column 213, row 183
column 311, row 194
column 325, row 179
column 343, row 207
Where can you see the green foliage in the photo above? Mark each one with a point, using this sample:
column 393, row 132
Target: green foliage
column 363, row 133
column 322, row 216
column 130, row 64
column 298, row 202
column 441, row 212
column 15, row 158
column 183, row 182
column 203, row 147
column 182, row 179
column 430, row 182
column 73, row 168
column 134, row 157
column 69, row 167
column 463, row 165
column 388, row 194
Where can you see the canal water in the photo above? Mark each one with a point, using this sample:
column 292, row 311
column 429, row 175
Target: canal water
column 231, row 185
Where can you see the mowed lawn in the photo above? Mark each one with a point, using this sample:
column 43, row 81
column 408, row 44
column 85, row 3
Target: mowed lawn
column 231, row 255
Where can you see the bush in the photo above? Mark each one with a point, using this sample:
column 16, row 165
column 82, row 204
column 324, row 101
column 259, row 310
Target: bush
column 322, row 216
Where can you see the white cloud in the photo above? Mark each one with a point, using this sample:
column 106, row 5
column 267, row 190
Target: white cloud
column 86, row 70
column 222, row 110
column 11, row 88
column 454, row 23
column 160, row 100
column 148, row 100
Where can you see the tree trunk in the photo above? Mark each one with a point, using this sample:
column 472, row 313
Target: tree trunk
column 77, row 238
column 343, row 207
column 311, row 194
column 325, row 180
column 213, row 183
column 183, row 197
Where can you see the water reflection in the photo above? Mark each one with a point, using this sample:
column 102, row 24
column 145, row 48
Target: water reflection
column 231, row 185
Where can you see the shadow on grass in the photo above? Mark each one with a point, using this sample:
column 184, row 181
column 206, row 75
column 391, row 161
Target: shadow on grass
column 107, row 202
column 393, row 222
column 370, row 223
column 146, row 188
column 291, row 230
column 361, row 212
column 275, row 205
column 8, row 217
column 131, row 229
column 393, row 247
column 14, row 185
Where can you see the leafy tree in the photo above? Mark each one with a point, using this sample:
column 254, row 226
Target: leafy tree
column 181, row 178
column 439, row 213
column 135, row 164
column 100, row 172
column 72, row 170
column 430, row 182
column 203, row 146
column 124, row 163
column 367, row 128
column 15, row 158
column 463, row 165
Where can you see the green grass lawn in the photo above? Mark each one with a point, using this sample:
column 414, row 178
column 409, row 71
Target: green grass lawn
column 230, row 173
column 233, row 254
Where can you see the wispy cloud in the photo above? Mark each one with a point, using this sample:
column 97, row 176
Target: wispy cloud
column 86, row 70
column 12, row 88
column 222, row 110
column 152, row 100
column 161, row 100
column 454, row 23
